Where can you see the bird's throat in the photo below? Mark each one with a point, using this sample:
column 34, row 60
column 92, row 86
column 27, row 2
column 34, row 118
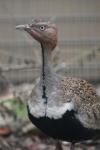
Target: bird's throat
column 47, row 76
column 44, row 90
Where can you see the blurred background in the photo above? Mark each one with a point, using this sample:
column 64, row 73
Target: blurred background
column 77, row 54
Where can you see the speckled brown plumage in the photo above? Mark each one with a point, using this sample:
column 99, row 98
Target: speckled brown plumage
column 84, row 98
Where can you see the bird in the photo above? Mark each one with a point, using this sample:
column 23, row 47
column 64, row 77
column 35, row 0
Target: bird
column 63, row 107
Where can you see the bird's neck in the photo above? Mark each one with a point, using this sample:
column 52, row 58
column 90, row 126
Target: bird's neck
column 48, row 77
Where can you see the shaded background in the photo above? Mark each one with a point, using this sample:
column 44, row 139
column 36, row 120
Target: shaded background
column 77, row 53
column 78, row 23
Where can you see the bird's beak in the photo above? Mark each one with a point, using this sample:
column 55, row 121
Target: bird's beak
column 22, row 27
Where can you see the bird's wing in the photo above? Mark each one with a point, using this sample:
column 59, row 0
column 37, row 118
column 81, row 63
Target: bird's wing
column 96, row 112
column 89, row 115
column 85, row 101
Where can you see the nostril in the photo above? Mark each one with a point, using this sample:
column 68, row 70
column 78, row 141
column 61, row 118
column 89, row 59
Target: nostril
column 27, row 26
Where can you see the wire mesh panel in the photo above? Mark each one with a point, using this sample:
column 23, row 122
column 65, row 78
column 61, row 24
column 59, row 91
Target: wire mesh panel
column 77, row 54
column 78, row 51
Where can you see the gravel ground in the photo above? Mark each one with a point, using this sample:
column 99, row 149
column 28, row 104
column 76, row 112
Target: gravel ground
column 37, row 141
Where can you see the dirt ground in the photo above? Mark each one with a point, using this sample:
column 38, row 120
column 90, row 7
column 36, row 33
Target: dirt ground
column 29, row 138
column 37, row 141
column 26, row 142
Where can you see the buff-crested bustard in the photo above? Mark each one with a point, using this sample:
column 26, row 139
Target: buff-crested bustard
column 64, row 108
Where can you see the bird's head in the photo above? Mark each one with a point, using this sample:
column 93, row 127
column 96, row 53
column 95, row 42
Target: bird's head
column 44, row 32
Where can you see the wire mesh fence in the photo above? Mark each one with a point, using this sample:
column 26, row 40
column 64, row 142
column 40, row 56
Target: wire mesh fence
column 77, row 54
column 79, row 38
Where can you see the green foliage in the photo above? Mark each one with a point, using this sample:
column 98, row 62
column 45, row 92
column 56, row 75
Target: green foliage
column 17, row 107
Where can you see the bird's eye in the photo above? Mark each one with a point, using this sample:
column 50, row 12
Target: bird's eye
column 42, row 28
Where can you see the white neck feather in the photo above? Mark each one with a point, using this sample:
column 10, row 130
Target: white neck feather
column 48, row 77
